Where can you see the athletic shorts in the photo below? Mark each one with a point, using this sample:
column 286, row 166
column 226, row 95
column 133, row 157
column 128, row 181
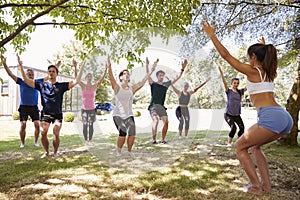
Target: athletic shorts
column 125, row 126
column 51, row 118
column 158, row 110
column 275, row 119
column 32, row 111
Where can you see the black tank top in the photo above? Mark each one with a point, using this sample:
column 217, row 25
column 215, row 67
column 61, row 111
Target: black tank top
column 184, row 99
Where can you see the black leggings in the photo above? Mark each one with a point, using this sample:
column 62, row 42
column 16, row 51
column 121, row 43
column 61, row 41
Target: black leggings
column 183, row 115
column 231, row 121
column 88, row 118
column 125, row 126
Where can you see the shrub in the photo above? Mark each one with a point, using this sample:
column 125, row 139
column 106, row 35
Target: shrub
column 137, row 113
column 69, row 117
column 16, row 115
column 100, row 112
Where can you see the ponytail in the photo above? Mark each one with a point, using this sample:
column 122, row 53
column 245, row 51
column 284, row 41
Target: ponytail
column 270, row 62
column 267, row 56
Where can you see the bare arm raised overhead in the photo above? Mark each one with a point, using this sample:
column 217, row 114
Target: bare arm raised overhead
column 178, row 92
column 183, row 66
column 223, row 80
column 27, row 80
column 140, row 84
column 235, row 63
column 98, row 83
column 147, row 71
column 77, row 79
column 74, row 62
column 199, row 86
column 112, row 79
column 3, row 60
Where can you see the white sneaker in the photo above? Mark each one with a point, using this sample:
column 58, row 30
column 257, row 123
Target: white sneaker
column 22, row 145
column 36, row 144
column 131, row 154
column 44, row 155
column 55, row 154
column 118, row 153
column 229, row 145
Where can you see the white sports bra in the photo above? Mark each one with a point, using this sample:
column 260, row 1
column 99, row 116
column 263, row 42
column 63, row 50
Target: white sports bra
column 259, row 87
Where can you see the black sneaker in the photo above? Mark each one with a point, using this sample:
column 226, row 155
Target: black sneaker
column 154, row 142
column 164, row 142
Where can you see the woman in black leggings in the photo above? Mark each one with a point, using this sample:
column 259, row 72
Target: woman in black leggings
column 182, row 111
column 232, row 113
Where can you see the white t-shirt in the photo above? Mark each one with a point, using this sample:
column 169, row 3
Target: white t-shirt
column 124, row 99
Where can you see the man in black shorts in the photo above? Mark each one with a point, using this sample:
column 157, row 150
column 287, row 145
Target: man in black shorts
column 158, row 96
column 28, row 104
column 51, row 98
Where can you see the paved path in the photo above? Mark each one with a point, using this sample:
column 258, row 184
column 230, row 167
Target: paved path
column 200, row 120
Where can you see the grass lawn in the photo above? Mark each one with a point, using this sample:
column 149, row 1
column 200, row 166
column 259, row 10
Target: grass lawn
column 200, row 167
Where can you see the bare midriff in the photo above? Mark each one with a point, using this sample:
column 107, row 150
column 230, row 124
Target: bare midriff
column 263, row 100
column 181, row 105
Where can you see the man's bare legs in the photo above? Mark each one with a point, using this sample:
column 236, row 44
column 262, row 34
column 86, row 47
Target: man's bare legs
column 36, row 132
column 154, row 127
column 255, row 137
column 44, row 137
column 165, row 127
column 22, row 133
column 56, row 139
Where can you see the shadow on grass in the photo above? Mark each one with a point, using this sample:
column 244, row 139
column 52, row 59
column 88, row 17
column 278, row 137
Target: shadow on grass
column 82, row 173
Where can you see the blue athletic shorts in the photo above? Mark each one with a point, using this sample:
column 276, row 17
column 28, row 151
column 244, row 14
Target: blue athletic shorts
column 275, row 118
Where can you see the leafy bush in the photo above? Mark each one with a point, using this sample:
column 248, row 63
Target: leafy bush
column 69, row 117
column 100, row 112
column 137, row 113
column 16, row 115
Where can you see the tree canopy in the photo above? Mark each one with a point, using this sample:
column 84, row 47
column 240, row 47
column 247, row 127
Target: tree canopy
column 244, row 21
column 94, row 21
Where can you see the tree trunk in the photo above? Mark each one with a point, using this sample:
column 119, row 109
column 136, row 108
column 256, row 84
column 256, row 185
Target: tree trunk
column 293, row 107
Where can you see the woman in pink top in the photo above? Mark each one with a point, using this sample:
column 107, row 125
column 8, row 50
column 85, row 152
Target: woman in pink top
column 88, row 111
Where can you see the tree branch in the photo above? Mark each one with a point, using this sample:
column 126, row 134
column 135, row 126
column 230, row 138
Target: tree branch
column 29, row 22
column 63, row 23
column 288, row 41
column 294, row 4
column 39, row 5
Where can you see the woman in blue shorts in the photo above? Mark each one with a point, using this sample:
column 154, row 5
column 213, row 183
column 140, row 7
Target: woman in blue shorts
column 273, row 121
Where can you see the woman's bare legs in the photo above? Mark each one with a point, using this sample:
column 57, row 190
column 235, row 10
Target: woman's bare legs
column 254, row 137
column 262, row 165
